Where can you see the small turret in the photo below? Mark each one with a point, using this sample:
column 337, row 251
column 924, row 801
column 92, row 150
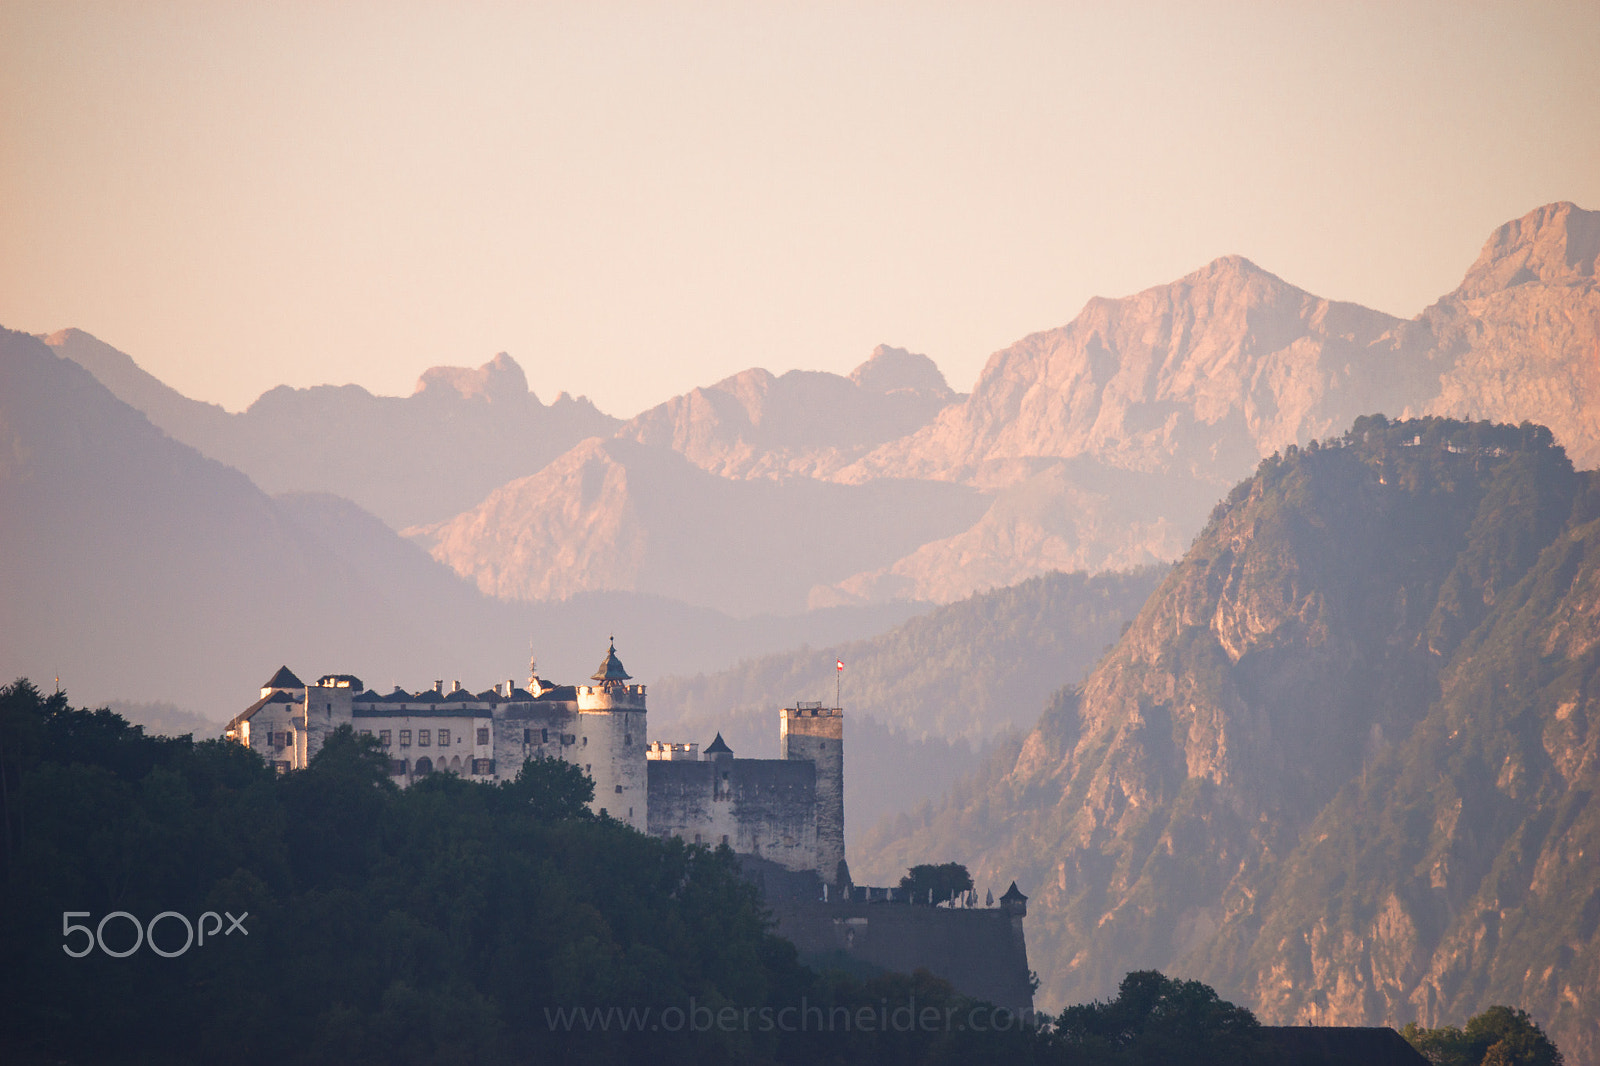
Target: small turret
column 1014, row 902
column 611, row 675
column 718, row 750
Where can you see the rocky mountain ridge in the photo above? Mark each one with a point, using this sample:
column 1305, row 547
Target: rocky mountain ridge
column 420, row 458
column 803, row 424
column 1098, row 444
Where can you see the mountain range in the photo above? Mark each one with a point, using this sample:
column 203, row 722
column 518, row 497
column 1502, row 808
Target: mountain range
column 137, row 569
column 1102, row 443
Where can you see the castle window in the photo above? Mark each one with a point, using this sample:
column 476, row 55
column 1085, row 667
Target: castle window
column 602, row 812
column 483, row 736
column 384, row 737
column 588, row 767
column 527, row 736
column 627, row 740
column 724, row 839
column 366, row 732
column 619, row 790
column 424, row 737
column 444, row 738
column 405, row 738
column 544, row 736
column 586, row 742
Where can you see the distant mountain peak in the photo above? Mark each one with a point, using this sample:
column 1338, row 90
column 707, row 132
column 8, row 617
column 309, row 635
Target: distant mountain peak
column 1557, row 244
column 1237, row 268
column 895, row 369
column 500, row 380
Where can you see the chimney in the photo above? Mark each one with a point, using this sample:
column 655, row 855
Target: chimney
column 455, row 686
column 438, row 686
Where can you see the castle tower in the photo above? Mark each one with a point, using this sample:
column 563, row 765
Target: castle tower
column 611, row 742
column 816, row 733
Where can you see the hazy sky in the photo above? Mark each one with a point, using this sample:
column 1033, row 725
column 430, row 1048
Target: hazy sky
column 634, row 199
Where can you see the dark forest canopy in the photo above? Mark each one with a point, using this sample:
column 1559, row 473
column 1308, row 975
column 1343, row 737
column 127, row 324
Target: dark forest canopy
column 451, row 922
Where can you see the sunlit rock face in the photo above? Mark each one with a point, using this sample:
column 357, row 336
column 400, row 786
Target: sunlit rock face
column 1340, row 765
column 1520, row 338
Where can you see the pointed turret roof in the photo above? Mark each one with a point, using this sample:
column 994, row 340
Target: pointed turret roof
column 718, row 747
column 611, row 669
column 1014, row 894
column 284, row 678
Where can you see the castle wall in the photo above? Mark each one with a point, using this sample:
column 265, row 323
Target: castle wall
column 815, row 733
column 760, row 807
column 533, row 729
column 411, row 732
column 981, row 951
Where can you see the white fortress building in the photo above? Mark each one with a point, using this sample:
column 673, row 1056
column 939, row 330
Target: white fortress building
column 788, row 810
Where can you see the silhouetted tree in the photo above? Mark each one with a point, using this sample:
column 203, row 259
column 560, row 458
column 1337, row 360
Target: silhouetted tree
column 943, row 880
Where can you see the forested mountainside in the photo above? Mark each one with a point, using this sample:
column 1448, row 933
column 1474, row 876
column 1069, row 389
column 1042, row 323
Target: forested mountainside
column 1341, row 765
column 919, row 699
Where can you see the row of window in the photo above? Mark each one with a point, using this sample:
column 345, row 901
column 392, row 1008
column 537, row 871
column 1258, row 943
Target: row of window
column 424, row 765
column 424, row 737
column 566, row 738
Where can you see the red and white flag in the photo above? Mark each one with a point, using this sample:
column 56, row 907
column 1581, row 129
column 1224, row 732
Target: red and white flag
column 839, row 664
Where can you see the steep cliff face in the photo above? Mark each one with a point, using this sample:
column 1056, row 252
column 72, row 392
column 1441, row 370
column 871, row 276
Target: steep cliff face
column 1198, row 803
column 805, row 423
column 1459, row 870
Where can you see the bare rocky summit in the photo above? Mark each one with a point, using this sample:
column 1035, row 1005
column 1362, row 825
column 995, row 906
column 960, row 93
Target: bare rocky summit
column 802, row 424
column 1519, row 339
column 1203, row 378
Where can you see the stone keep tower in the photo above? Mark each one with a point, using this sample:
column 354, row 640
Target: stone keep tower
column 816, row 733
column 611, row 735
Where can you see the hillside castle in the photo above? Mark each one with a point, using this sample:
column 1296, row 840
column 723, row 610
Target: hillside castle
column 788, row 810
column 783, row 816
